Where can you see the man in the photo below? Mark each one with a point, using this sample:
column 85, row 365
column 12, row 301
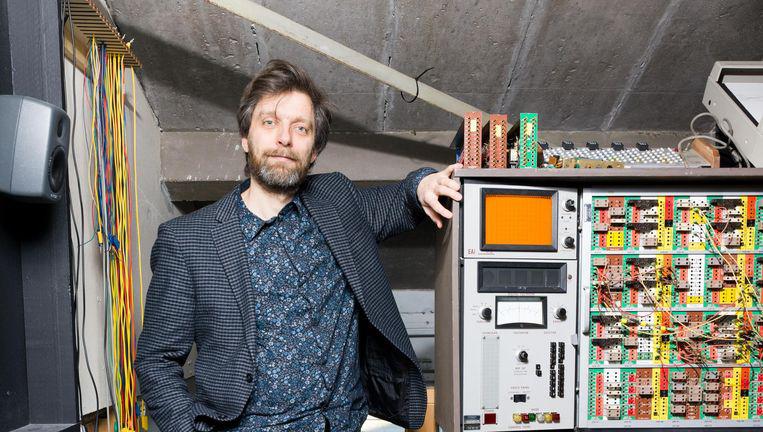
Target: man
column 280, row 286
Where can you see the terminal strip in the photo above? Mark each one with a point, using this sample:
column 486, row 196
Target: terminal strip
column 528, row 140
column 496, row 153
column 472, row 152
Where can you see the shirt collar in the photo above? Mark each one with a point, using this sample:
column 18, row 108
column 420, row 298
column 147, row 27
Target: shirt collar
column 253, row 224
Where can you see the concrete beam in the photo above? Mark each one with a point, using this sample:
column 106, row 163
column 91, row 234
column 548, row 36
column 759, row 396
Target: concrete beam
column 202, row 166
column 317, row 42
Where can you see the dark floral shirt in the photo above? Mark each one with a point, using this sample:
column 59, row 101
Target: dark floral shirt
column 306, row 363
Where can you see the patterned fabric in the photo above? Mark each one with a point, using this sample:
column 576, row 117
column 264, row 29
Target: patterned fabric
column 306, row 363
column 201, row 292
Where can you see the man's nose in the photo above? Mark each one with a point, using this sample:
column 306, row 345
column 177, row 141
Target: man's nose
column 284, row 135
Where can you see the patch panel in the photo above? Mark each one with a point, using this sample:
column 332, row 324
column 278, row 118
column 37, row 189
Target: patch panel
column 674, row 307
column 653, row 394
column 678, row 223
column 679, row 281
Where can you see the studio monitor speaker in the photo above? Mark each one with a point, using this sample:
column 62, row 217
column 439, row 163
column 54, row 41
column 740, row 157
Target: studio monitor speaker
column 34, row 142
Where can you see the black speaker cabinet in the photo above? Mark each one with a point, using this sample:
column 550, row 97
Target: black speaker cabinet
column 34, row 142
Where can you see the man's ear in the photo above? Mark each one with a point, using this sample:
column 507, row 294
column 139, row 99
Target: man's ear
column 313, row 157
column 245, row 145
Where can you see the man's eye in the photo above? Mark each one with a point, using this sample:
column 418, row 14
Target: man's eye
column 302, row 129
column 268, row 122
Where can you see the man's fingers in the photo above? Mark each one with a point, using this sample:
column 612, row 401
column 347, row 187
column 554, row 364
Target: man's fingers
column 449, row 170
column 445, row 181
column 434, row 216
column 434, row 203
column 447, row 191
column 436, row 185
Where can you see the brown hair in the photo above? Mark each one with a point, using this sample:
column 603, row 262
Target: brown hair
column 277, row 77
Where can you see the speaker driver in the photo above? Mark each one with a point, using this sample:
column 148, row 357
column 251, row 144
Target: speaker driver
column 57, row 169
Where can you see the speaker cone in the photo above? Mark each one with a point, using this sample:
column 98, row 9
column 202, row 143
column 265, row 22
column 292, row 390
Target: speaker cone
column 57, row 169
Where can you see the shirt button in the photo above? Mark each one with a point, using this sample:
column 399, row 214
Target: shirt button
column 249, row 378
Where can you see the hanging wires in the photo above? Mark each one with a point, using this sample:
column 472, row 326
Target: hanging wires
column 688, row 343
column 702, row 340
column 113, row 187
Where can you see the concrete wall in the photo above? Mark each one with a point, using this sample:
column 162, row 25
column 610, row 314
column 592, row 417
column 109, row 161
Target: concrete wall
column 581, row 64
column 154, row 207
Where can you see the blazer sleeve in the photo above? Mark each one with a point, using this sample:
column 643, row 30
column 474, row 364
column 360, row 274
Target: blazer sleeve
column 167, row 336
column 392, row 209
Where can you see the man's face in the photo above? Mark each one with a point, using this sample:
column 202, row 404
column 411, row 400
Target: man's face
column 280, row 143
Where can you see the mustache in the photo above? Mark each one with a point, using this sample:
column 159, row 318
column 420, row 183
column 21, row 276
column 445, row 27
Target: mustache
column 289, row 155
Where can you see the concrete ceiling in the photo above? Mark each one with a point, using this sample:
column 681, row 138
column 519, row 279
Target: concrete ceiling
column 582, row 65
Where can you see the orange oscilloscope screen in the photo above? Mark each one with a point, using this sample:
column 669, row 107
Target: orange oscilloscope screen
column 518, row 220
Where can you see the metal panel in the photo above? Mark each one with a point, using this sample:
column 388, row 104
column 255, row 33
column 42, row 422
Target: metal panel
column 491, row 371
column 566, row 222
column 447, row 334
column 523, row 370
column 39, row 234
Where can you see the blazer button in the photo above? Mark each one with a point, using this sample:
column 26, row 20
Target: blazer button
column 249, row 378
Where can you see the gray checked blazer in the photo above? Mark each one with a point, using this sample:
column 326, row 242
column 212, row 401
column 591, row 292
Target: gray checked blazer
column 201, row 292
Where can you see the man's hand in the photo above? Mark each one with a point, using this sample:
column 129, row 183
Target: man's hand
column 435, row 185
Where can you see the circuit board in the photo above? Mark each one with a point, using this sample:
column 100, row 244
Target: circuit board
column 659, row 157
column 528, row 138
column 670, row 310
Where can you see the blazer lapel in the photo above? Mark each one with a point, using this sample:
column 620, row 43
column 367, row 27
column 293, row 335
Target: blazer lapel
column 326, row 218
column 229, row 241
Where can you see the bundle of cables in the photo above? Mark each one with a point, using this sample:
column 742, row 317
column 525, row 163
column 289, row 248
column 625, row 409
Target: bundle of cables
column 692, row 342
column 731, row 154
column 115, row 216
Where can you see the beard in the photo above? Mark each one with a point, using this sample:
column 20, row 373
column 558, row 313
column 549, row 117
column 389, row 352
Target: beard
column 278, row 176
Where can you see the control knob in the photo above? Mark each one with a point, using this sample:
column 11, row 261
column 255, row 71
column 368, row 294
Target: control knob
column 569, row 205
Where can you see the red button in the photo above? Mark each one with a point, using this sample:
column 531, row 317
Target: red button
column 555, row 416
column 525, row 418
column 489, row 418
column 632, row 378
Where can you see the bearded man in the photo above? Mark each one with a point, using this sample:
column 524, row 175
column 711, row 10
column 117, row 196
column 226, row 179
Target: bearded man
column 280, row 285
